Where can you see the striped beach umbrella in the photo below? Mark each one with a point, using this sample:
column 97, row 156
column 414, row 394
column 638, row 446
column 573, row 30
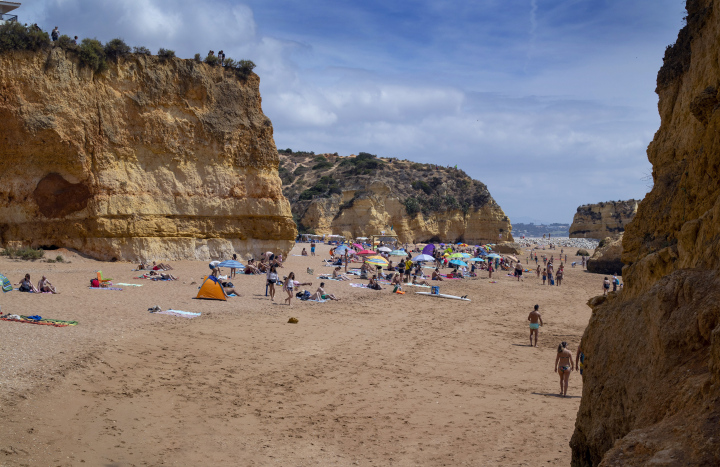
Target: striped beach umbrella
column 377, row 261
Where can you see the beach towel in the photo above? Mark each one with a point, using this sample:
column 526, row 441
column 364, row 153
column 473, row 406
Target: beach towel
column 493, row 282
column 182, row 314
column 359, row 286
column 6, row 285
column 105, row 288
column 328, row 278
column 129, row 285
column 418, row 285
column 317, row 301
column 45, row 322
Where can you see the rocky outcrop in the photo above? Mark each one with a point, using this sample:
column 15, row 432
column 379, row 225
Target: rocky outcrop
column 651, row 393
column 152, row 158
column 603, row 219
column 607, row 258
column 364, row 195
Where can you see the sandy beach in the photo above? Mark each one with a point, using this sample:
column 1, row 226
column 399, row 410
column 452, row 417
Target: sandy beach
column 374, row 379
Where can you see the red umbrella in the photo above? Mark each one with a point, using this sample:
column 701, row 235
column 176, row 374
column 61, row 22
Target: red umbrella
column 366, row 253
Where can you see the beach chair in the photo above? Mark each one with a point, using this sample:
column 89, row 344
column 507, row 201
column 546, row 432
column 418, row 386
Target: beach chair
column 102, row 280
column 310, row 271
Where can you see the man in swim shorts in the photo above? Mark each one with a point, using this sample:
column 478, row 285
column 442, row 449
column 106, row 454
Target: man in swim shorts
column 535, row 323
column 518, row 271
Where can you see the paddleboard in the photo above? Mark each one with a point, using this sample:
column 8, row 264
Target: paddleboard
column 442, row 295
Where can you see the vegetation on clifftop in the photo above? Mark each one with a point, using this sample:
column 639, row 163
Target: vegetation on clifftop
column 422, row 188
column 92, row 53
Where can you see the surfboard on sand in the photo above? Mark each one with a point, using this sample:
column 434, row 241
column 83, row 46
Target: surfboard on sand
column 442, row 295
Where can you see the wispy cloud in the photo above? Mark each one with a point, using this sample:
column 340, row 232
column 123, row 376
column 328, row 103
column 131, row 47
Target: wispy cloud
column 550, row 110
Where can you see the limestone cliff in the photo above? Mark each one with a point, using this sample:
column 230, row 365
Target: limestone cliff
column 651, row 392
column 153, row 158
column 603, row 219
column 364, row 195
column 607, row 258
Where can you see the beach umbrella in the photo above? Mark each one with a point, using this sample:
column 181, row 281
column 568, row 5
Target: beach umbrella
column 342, row 248
column 231, row 263
column 6, row 285
column 366, row 253
column 475, row 260
column 398, row 253
column 512, row 258
column 423, row 258
column 454, row 255
column 377, row 260
column 429, row 249
column 493, row 255
column 457, row 262
column 385, row 249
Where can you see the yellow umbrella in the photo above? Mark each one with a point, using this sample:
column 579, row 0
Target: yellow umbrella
column 376, row 260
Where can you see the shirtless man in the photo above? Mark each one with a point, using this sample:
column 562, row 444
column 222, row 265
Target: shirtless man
column 518, row 271
column 45, row 286
column 436, row 275
column 535, row 323
column 565, row 360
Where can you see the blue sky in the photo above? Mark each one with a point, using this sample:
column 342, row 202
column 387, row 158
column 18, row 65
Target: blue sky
column 550, row 103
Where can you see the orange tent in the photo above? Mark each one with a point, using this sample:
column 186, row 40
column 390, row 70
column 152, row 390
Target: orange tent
column 211, row 289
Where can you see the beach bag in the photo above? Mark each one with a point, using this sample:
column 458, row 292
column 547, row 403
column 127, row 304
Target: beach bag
column 552, row 281
column 94, row 283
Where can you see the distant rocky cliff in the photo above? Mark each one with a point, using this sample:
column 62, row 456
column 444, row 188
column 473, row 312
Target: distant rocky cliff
column 363, row 195
column 602, row 220
column 153, row 158
column 651, row 393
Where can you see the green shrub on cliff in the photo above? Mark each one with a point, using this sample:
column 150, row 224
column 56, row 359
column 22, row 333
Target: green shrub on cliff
column 324, row 188
column 166, row 53
column 142, row 50
column 66, row 42
column 116, row 48
column 15, row 36
column 412, row 206
column 92, row 55
column 212, row 60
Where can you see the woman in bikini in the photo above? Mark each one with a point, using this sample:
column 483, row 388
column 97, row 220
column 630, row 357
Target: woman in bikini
column 289, row 286
column 565, row 361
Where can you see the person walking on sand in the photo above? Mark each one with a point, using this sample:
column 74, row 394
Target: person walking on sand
column 538, row 272
column 559, row 275
column 288, row 287
column 312, row 248
column 490, row 269
column 615, row 282
column 535, row 323
column 565, row 361
column 606, row 285
column 518, row 271
column 272, row 279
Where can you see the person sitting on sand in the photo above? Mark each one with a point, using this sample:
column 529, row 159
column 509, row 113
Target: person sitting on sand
column 337, row 275
column 564, row 358
column 26, row 285
column 415, row 281
column 436, row 275
column 142, row 266
column 251, row 268
column 373, row 284
column 396, row 280
column 263, row 267
column 45, row 286
column 320, row 294
column 535, row 323
column 304, row 252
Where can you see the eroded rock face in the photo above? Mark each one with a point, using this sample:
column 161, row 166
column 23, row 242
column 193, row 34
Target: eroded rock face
column 651, row 393
column 367, row 203
column 607, row 258
column 167, row 159
column 603, row 219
